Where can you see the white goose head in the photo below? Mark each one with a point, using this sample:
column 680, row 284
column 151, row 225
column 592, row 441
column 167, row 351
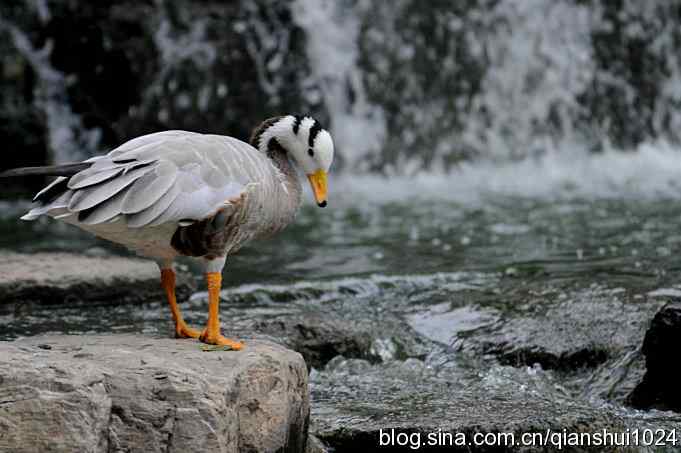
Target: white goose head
column 305, row 141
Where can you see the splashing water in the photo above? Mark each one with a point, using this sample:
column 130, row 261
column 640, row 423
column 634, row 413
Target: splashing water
column 411, row 88
column 333, row 31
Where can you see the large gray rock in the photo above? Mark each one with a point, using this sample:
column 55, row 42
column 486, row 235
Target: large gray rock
column 140, row 394
column 55, row 278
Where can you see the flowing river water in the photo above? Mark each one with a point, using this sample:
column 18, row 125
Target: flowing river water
column 442, row 263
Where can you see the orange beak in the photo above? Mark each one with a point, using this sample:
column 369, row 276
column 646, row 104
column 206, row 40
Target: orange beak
column 319, row 186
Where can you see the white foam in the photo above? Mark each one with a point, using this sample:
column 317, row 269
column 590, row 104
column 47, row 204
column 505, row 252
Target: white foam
column 650, row 172
column 362, row 287
column 442, row 322
column 665, row 292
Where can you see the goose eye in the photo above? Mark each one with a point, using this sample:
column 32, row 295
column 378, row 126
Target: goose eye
column 310, row 152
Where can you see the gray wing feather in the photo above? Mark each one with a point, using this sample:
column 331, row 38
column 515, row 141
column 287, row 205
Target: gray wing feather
column 196, row 200
column 184, row 207
column 106, row 210
column 172, row 176
column 145, row 217
column 91, row 196
column 48, row 187
column 148, row 189
column 91, row 177
column 59, row 206
column 139, row 144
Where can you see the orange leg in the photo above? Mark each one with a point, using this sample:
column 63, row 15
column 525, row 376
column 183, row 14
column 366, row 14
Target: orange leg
column 182, row 330
column 211, row 334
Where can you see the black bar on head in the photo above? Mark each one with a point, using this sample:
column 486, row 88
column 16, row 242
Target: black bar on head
column 296, row 123
column 314, row 130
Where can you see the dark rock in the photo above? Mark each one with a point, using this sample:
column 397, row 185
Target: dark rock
column 134, row 393
column 61, row 278
column 319, row 337
column 659, row 388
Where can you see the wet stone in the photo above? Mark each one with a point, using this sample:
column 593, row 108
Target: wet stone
column 589, row 337
column 659, row 388
column 578, row 329
column 319, row 337
column 65, row 278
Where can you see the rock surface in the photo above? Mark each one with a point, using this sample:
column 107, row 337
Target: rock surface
column 590, row 336
column 319, row 337
column 582, row 328
column 133, row 393
column 322, row 331
column 659, row 388
column 55, row 278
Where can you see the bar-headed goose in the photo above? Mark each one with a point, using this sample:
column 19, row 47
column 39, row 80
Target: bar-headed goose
column 178, row 193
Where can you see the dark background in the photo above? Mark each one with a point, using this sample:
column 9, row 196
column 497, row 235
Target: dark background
column 116, row 79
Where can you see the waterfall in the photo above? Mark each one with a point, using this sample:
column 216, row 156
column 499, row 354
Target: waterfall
column 332, row 29
column 405, row 86
column 539, row 61
column 410, row 86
